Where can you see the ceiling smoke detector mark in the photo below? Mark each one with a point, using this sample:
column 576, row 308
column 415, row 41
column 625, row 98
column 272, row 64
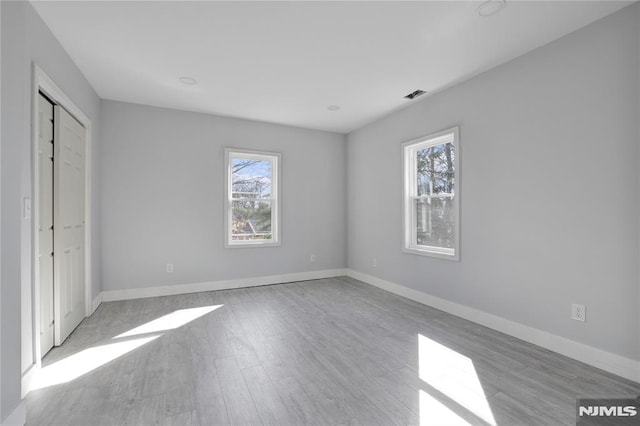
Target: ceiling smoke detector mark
column 490, row 7
column 415, row 94
column 189, row 81
column 333, row 107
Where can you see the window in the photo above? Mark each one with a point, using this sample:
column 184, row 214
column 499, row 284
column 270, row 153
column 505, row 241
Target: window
column 252, row 198
column 432, row 195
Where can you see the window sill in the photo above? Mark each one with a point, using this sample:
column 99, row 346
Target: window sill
column 438, row 253
column 249, row 244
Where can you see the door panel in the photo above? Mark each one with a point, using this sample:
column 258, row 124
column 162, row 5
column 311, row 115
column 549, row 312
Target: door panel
column 45, row 234
column 69, row 199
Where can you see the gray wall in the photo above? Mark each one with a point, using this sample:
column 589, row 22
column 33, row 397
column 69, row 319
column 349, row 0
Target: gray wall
column 638, row 118
column 162, row 197
column 550, row 192
column 25, row 39
column 1, row 400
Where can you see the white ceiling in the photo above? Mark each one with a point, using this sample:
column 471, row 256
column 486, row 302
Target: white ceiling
column 285, row 62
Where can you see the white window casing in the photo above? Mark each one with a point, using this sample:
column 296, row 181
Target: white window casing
column 431, row 195
column 252, row 198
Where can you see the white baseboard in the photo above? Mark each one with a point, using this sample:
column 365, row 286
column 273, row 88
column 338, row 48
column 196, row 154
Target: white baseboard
column 27, row 380
column 139, row 293
column 96, row 302
column 18, row 417
column 616, row 364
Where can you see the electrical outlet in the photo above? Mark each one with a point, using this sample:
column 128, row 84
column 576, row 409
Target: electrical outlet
column 312, row 258
column 374, row 262
column 578, row 312
column 169, row 267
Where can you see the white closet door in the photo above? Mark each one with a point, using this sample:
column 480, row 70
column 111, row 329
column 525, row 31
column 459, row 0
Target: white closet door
column 68, row 207
column 45, row 234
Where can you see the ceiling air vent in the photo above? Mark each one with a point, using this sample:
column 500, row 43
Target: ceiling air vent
column 415, row 94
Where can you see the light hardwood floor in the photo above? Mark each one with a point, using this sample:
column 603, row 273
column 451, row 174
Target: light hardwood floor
column 322, row 352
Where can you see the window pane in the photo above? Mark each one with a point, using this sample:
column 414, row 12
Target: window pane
column 435, row 171
column 435, row 222
column 250, row 178
column 251, row 220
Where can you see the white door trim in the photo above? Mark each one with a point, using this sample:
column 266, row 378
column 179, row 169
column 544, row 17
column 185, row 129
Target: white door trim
column 42, row 82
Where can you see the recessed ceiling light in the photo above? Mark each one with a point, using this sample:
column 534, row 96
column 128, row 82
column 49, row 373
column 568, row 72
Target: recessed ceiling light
column 333, row 107
column 189, row 81
column 490, row 7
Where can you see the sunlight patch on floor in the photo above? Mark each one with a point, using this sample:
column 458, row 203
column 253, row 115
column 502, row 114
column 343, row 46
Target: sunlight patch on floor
column 454, row 375
column 435, row 413
column 170, row 321
column 79, row 364
column 87, row 360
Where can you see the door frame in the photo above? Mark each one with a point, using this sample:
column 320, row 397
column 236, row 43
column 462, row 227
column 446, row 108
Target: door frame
column 43, row 83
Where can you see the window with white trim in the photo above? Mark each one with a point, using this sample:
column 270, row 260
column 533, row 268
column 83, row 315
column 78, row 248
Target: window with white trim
column 432, row 195
column 252, row 182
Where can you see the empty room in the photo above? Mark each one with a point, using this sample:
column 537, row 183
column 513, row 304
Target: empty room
column 320, row 213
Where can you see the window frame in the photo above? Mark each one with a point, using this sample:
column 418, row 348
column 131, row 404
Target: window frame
column 410, row 193
column 276, row 172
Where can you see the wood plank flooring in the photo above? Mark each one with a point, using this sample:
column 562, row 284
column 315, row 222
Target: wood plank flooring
column 323, row 352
